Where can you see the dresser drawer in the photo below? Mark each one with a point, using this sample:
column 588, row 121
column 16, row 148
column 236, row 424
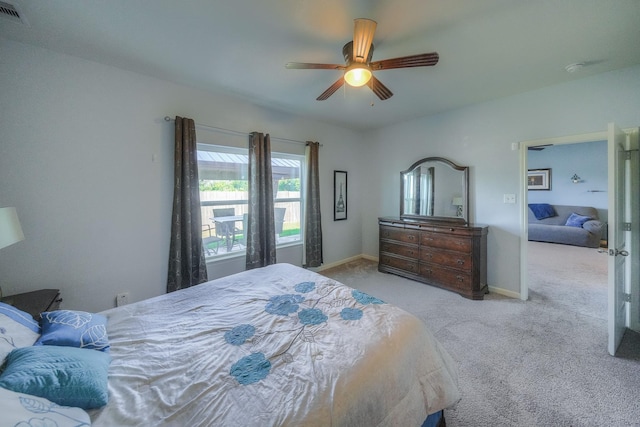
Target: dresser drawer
column 444, row 241
column 449, row 278
column 459, row 260
column 409, row 251
column 400, row 263
column 400, row 234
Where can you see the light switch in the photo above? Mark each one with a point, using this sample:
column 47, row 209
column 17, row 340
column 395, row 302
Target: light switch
column 510, row 198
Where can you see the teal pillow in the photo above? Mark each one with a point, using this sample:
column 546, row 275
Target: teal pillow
column 576, row 220
column 74, row 329
column 67, row 376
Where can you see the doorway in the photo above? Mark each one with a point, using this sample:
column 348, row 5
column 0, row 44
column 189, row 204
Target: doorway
column 623, row 236
column 569, row 273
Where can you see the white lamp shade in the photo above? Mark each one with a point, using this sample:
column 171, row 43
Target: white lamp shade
column 457, row 201
column 10, row 230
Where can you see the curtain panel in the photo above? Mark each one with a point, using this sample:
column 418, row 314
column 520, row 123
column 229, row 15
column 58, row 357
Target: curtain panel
column 187, row 266
column 261, row 233
column 312, row 218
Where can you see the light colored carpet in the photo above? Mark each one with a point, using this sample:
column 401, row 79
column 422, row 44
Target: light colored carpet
column 541, row 362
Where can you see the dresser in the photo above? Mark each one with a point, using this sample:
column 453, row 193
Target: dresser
column 452, row 255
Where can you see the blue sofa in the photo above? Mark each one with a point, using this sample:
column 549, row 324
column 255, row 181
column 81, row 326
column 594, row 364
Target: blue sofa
column 553, row 229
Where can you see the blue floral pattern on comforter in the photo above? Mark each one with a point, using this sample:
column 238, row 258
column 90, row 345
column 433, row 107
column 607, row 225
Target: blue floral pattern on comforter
column 256, row 366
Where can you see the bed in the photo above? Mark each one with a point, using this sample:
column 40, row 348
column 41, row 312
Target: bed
column 269, row 347
column 274, row 346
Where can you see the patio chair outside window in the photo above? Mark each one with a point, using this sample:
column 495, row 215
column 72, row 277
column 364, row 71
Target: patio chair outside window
column 226, row 230
column 210, row 241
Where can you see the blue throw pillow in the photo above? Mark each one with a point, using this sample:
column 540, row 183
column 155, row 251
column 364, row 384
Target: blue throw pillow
column 576, row 220
column 74, row 329
column 67, row 376
column 542, row 210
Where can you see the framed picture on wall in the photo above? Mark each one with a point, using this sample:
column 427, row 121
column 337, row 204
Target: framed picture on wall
column 539, row 179
column 339, row 195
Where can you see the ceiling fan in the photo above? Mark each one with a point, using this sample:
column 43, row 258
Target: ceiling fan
column 358, row 67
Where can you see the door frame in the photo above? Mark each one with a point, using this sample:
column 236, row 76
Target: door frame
column 524, row 199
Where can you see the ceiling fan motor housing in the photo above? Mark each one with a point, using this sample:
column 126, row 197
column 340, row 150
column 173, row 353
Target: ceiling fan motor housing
column 347, row 52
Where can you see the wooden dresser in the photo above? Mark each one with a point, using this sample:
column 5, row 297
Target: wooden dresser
column 452, row 256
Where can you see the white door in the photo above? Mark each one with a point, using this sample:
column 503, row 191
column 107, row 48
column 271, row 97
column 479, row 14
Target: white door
column 618, row 251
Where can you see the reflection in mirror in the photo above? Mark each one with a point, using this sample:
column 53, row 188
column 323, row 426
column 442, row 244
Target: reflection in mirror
column 435, row 188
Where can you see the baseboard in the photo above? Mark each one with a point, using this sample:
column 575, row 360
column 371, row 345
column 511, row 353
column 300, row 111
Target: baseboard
column 346, row 260
column 505, row 292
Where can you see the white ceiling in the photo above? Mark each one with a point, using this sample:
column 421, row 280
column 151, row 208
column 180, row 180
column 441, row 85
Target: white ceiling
column 488, row 48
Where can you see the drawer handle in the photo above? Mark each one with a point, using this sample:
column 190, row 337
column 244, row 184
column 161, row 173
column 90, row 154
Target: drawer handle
column 428, row 271
column 429, row 256
column 460, row 262
column 411, row 253
column 429, row 239
column 452, row 229
column 411, row 237
column 460, row 278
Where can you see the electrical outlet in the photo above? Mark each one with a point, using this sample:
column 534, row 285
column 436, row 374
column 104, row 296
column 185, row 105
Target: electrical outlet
column 122, row 299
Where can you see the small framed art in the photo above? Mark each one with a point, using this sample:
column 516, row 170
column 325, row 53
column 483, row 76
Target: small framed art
column 339, row 195
column 539, row 179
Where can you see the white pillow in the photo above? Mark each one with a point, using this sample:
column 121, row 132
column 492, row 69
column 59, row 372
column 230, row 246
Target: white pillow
column 24, row 409
column 17, row 329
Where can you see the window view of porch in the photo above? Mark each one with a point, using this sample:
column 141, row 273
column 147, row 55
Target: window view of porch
column 224, row 198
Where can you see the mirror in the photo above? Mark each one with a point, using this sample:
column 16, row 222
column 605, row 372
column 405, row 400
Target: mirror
column 435, row 188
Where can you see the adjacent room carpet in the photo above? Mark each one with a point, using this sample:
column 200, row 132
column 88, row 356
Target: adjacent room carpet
column 541, row 362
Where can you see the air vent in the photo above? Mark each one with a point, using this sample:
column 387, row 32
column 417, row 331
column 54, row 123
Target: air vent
column 11, row 12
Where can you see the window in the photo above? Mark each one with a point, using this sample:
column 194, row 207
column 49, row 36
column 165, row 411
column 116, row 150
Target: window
column 224, row 197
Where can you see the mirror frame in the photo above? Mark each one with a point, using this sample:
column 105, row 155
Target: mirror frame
column 465, row 192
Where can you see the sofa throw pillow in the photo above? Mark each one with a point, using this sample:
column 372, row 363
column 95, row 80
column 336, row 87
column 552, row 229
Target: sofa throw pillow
column 576, row 220
column 17, row 329
column 542, row 210
column 67, row 376
column 74, row 329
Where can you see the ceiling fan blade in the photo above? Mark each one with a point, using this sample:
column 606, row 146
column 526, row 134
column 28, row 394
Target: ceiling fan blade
column 379, row 89
column 310, row 66
column 420, row 60
column 363, row 31
column 332, row 89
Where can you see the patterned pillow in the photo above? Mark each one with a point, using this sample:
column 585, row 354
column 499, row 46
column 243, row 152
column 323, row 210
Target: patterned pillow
column 74, row 329
column 65, row 375
column 17, row 329
column 19, row 409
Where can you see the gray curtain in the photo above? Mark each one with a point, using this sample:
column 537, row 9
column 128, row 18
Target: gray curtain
column 261, row 234
column 187, row 266
column 312, row 220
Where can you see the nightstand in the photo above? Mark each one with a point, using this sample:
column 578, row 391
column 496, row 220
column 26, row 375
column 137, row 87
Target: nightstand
column 35, row 302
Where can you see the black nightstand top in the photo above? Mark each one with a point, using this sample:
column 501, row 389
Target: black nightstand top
column 35, row 302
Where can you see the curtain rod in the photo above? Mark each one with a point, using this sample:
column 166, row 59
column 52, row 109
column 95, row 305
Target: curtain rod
column 235, row 132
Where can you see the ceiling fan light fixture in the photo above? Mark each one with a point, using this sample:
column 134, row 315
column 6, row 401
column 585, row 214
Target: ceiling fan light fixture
column 357, row 75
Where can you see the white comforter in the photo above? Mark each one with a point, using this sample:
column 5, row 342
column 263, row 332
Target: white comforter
column 273, row 346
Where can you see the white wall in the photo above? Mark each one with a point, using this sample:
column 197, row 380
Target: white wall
column 588, row 160
column 480, row 136
column 77, row 140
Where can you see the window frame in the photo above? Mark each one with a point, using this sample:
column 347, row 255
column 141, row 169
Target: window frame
column 210, row 204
